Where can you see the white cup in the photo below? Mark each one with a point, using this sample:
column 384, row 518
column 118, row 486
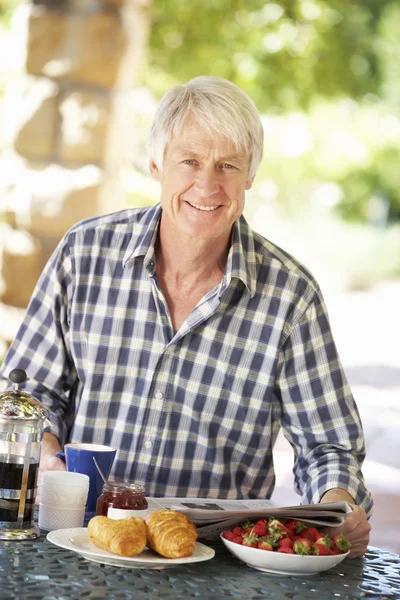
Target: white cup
column 63, row 497
column 61, row 488
column 55, row 517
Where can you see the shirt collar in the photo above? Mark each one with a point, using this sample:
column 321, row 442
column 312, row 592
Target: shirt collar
column 242, row 258
column 144, row 238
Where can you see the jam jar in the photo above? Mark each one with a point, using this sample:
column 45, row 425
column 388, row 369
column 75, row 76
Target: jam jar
column 120, row 500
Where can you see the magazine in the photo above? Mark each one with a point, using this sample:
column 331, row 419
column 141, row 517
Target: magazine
column 213, row 515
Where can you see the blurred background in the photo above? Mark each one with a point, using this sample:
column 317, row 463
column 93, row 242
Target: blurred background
column 79, row 83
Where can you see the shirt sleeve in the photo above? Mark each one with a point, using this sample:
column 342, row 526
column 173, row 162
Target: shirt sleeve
column 41, row 346
column 319, row 416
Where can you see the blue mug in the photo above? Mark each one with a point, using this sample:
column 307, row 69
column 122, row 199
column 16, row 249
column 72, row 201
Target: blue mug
column 79, row 459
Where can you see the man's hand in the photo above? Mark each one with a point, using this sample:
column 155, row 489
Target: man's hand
column 48, row 458
column 355, row 528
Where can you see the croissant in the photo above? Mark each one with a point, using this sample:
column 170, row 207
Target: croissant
column 126, row 537
column 171, row 534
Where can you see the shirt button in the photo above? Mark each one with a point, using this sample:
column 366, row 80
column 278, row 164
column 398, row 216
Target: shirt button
column 159, row 395
column 148, row 444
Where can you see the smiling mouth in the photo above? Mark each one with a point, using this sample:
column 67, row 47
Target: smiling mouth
column 202, row 207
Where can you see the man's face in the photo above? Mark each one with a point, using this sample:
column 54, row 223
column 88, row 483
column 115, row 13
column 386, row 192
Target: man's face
column 203, row 183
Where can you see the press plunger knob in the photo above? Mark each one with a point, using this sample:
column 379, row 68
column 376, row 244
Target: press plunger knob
column 17, row 376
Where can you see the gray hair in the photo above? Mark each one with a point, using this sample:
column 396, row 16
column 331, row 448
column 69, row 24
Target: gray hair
column 218, row 105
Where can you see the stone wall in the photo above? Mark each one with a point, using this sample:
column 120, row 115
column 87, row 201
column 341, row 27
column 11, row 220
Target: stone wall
column 70, row 126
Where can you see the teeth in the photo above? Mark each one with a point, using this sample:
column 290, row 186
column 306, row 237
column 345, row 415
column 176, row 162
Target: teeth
column 203, row 207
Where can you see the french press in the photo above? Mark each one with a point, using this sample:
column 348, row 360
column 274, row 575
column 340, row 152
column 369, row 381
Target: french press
column 22, row 421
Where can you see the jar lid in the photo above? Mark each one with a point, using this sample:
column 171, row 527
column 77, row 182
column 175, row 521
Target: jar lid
column 119, row 486
column 20, row 406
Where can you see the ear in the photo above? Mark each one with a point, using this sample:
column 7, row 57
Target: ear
column 155, row 171
column 249, row 183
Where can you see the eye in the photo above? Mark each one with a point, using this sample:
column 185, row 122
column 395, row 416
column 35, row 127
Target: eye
column 228, row 166
column 188, row 161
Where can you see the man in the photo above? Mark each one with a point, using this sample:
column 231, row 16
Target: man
column 184, row 339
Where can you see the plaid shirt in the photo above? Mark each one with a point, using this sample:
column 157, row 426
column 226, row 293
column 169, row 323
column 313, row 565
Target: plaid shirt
column 196, row 412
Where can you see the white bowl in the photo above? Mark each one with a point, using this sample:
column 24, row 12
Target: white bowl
column 282, row 564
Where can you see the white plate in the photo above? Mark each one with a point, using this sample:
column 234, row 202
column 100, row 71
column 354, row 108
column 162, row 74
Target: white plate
column 283, row 564
column 77, row 540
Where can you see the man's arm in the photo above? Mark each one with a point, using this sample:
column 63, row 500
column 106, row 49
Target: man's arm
column 337, row 495
column 50, row 446
column 321, row 421
column 42, row 344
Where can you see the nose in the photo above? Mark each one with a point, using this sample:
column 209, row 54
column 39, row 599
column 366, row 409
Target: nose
column 207, row 183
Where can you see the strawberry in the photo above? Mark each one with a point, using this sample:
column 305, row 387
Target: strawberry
column 294, row 526
column 271, row 541
column 291, row 525
column 302, row 546
column 260, row 528
column 277, row 530
column 340, row 542
column 324, row 540
column 285, row 550
column 300, row 527
column 237, row 530
column 286, row 542
column 250, row 540
column 238, row 539
column 263, row 544
column 229, row 535
column 311, row 533
column 321, row 549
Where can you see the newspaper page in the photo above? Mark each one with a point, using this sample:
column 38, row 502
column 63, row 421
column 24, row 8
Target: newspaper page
column 213, row 515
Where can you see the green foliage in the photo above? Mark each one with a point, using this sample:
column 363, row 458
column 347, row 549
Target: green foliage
column 343, row 155
column 283, row 53
column 388, row 51
column 6, row 9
